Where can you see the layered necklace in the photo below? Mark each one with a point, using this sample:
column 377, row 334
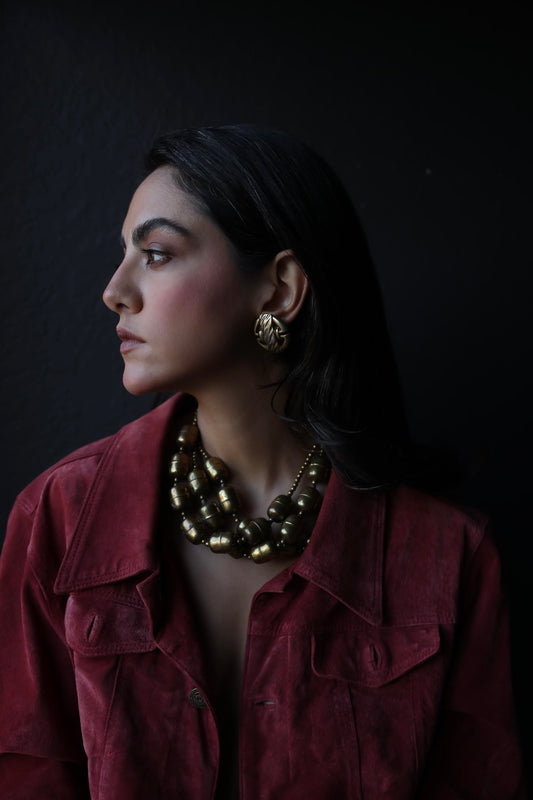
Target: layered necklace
column 209, row 507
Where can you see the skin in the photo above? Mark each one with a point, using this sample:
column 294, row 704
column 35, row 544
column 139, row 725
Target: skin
column 192, row 311
column 180, row 293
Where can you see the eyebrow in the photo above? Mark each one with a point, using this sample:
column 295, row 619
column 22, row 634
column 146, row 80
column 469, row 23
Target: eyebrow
column 141, row 231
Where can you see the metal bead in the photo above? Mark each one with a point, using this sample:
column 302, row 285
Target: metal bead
column 279, row 508
column 211, row 515
column 179, row 466
column 216, row 469
column 255, row 530
column 228, row 499
column 308, row 498
column 188, row 435
column 291, row 529
column 285, row 549
column 198, row 481
column 221, row 542
column 263, row 552
column 193, row 530
column 318, row 468
column 180, row 496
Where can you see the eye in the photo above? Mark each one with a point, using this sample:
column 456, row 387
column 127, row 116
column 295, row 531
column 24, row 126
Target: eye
column 155, row 257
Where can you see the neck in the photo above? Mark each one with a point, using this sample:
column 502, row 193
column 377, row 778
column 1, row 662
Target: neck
column 259, row 448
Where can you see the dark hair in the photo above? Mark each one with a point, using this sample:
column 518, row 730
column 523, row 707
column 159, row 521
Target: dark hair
column 269, row 192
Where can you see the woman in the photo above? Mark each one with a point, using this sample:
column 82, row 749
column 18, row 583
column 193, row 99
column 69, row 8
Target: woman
column 238, row 595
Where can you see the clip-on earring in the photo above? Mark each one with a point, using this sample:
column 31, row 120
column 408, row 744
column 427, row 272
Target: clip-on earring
column 271, row 333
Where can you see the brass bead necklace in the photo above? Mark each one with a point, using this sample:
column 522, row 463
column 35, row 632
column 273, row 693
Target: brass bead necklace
column 209, row 506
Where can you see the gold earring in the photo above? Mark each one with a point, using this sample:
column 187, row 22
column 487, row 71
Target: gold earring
column 271, row 333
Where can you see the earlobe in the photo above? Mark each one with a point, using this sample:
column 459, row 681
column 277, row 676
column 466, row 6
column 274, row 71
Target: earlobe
column 289, row 286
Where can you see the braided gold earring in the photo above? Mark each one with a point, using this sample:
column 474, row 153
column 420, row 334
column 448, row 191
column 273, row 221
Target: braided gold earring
column 271, row 333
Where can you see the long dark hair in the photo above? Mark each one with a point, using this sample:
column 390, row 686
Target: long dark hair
column 268, row 191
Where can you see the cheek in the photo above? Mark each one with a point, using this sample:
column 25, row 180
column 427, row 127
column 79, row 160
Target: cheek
column 209, row 294
column 216, row 286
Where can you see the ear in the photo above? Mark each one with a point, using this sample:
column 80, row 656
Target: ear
column 287, row 287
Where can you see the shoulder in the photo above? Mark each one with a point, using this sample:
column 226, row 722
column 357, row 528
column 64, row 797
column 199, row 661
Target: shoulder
column 432, row 521
column 48, row 509
column 73, row 472
column 44, row 514
column 430, row 546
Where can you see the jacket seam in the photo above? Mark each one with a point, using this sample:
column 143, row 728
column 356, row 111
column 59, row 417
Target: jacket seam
column 30, row 506
column 104, row 579
column 56, row 624
column 103, row 754
column 278, row 631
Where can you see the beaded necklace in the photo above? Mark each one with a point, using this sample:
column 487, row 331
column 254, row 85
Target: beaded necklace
column 209, row 506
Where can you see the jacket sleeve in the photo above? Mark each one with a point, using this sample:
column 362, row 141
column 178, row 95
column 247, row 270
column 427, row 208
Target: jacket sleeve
column 41, row 751
column 476, row 752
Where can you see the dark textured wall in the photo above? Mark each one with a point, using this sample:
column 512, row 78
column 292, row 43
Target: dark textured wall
column 425, row 112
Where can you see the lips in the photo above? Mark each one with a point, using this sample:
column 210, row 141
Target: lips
column 129, row 340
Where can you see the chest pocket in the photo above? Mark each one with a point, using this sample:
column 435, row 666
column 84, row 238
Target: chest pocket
column 373, row 657
column 107, row 621
column 379, row 682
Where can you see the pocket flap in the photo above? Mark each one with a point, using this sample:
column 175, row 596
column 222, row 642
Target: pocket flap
column 374, row 657
column 97, row 622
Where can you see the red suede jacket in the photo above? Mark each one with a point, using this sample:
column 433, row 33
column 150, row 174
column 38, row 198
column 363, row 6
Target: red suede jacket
column 376, row 666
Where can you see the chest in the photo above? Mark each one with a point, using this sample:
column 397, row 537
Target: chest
column 221, row 591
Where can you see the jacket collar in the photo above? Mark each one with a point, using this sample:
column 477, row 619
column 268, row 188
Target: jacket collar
column 345, row 554
column 114, row 538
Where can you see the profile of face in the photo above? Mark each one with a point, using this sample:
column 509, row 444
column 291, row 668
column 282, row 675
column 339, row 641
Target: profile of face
column 186, row 312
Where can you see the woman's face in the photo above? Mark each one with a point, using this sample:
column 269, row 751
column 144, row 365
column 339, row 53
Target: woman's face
column 186, row 312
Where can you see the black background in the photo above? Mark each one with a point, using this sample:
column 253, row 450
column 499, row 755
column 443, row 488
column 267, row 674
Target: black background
column 425, row 112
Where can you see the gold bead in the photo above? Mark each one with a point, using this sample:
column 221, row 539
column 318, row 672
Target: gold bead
column 179, row 466
column 188, row 435
column 318, row 468
column 308, row 498
column 263, row 552
column 279, row 508
column 180, row 496
column 221, row 542
column 211, row 515
column 193, row 530
column 291, row 529
column 228, row 499
column 198, row 481
column 216, row 469
column 254, row 530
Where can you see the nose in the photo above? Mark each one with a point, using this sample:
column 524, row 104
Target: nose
column 121, row 292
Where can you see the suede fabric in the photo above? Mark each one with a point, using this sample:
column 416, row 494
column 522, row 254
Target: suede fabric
column 377, row 665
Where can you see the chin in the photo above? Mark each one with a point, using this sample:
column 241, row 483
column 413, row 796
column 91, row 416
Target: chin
column 135, row 389
column 138, row 385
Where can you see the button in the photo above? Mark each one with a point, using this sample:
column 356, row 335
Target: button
column 196, row 699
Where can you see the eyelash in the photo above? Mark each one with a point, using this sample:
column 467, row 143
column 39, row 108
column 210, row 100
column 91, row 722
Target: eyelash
column 151, row 261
